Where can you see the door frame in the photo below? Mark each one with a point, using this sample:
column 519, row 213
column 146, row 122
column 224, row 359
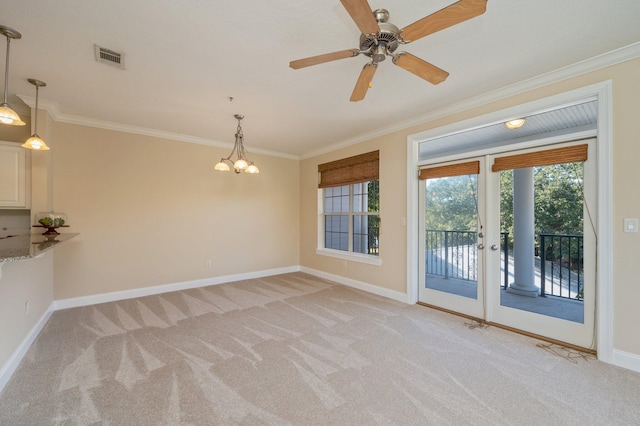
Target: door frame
column 602, row 92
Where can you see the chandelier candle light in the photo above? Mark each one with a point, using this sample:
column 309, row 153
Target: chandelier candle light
column 8, row 115
column 35, row 141
column 241, row 164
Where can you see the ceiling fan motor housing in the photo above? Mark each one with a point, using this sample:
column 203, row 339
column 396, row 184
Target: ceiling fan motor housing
column 385, row 42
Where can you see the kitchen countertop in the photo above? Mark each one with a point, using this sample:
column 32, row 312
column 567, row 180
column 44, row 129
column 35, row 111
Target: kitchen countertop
column 23, row 247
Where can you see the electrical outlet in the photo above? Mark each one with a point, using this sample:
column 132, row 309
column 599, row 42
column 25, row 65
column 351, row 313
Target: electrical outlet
column 208, row 264
column 26, row 308
column 344, row 263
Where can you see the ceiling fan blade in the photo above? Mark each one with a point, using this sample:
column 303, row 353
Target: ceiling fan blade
column 362, row 15
column 321, row 59
column 421, row 68
column 362, row 85
column 444, row 18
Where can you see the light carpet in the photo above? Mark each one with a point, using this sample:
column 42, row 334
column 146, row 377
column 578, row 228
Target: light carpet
column 297, row 349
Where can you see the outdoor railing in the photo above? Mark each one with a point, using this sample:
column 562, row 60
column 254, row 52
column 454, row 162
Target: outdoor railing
column 559, row 260
column 561, row 264
column 452, row 254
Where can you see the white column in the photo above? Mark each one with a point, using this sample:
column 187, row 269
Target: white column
column 523, row 234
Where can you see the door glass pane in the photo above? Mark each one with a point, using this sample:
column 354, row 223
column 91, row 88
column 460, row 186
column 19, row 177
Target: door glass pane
column 451, row 223
column 541, row 217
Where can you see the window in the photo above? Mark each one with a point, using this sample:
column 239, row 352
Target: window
column 349, row 222
column 351, row 217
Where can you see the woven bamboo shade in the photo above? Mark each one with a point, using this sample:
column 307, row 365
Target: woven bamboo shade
column 470, row 168
column 570, row 154
column 360, row 168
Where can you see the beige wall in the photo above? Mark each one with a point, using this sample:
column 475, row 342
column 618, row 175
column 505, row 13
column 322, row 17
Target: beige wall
column 153, row 211
column 393, row 235
column 392, row 273
column 23, row 281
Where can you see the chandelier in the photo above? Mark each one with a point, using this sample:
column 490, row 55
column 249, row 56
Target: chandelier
column 241, row 163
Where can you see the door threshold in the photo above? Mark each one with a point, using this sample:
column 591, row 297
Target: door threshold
column 513, row 330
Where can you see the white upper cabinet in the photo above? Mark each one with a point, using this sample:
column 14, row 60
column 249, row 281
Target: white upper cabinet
column 13, row 175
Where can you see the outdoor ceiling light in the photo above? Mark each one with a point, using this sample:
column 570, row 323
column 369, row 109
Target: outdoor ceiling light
column 241, row 164
column 8, row 115
column 515, row 124
column 35, row 141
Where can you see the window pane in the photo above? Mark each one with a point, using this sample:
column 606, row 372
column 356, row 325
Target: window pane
column 336, row 200
column 358, row 201
column 365, row 197
column 328, row 200
column 358, row 188
column 365, row 234
column 336, row 232
column 344, row 204
column 373, row 196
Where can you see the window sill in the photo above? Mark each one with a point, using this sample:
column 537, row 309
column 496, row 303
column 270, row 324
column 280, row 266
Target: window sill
column 354, row 257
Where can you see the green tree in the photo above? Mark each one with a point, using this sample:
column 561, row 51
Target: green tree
column 452, row 203
column 559, row 198
column 373, row 195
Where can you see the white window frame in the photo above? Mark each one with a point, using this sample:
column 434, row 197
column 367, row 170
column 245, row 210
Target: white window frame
column 346, row 255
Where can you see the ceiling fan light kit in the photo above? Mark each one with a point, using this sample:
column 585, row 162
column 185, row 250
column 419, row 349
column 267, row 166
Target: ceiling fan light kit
column 380, row 39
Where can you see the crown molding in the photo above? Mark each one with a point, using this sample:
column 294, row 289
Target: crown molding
column 53, row 108
column 613, row 57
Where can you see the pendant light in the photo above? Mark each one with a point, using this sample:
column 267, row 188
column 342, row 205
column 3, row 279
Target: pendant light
column 35, row 141
column 241, row 164
column 8, row 115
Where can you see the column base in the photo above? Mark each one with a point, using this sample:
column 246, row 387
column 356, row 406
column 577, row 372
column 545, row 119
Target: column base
column 521, row 290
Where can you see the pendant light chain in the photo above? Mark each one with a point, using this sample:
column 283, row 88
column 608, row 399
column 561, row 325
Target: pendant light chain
column 6, row 71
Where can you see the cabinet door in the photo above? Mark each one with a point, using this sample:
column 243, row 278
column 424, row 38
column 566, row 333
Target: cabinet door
column 13, row 174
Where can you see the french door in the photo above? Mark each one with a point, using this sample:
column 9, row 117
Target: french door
column 509, row 238
column 452, row 273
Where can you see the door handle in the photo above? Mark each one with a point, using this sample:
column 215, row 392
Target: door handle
column 494, row 247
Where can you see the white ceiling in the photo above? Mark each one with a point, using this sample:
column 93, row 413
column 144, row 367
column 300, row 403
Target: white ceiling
column 185, row 58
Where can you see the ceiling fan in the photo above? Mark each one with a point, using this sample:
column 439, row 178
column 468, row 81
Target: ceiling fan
column 380, row 39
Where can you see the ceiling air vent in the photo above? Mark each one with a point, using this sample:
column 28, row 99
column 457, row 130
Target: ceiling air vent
column 109, row 57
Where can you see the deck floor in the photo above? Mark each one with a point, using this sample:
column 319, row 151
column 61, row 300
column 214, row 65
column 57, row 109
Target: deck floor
column 558, row 307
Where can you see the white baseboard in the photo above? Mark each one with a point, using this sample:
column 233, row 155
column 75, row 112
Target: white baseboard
column 626, row 360
column 369, row 288
column 150, row 291
column 9, row 367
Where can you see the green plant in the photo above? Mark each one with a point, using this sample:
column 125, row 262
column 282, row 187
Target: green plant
column 46, row 221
